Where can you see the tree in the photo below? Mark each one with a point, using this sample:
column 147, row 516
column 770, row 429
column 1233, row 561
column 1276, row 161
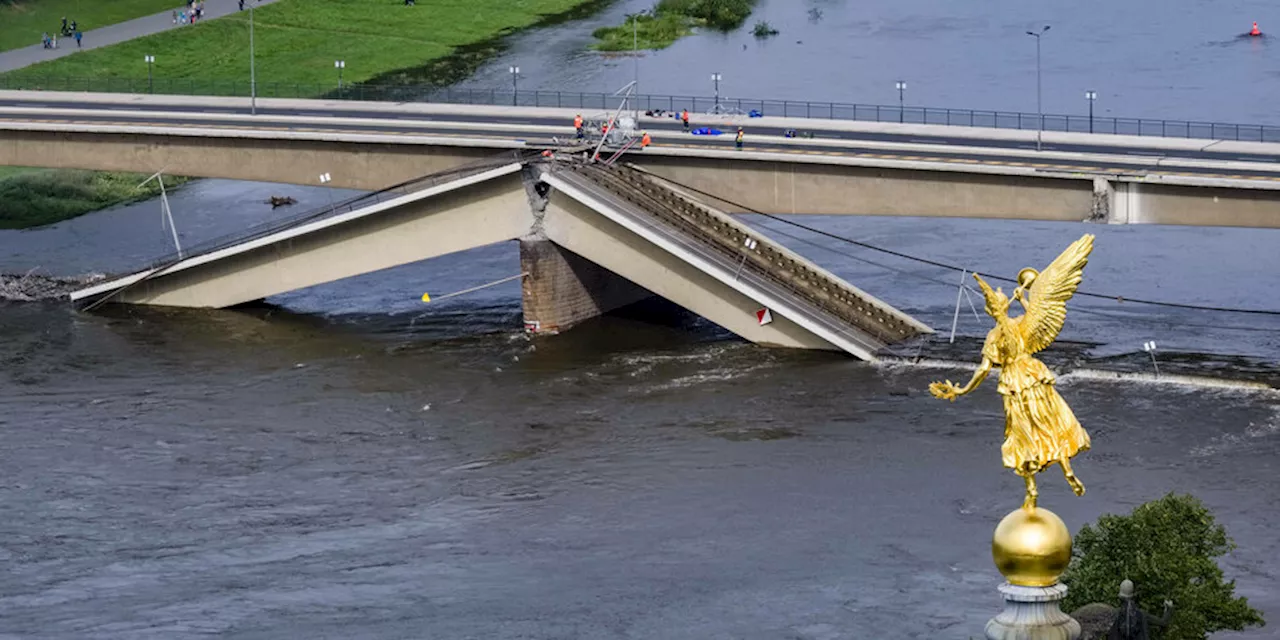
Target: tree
column 1167, row 547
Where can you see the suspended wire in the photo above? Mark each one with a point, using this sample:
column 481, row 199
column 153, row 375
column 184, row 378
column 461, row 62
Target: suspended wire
column 1079, row 309
column 944, row 265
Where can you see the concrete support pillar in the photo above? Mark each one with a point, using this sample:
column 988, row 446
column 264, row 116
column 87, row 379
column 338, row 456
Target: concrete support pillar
column 564, row 289
column 1103, row 197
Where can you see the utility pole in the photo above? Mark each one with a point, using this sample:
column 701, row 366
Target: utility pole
column 515, row 85
column 902, row 87
column 151, row 88
column 1039, row 102
column 1091, row 96
column 715, row 77
column 635, row 53
column 253, row 72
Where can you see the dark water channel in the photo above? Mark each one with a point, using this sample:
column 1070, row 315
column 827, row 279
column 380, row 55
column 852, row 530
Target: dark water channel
column 349, row 463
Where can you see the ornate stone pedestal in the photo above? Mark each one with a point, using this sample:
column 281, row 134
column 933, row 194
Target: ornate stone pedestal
column 1032, row 613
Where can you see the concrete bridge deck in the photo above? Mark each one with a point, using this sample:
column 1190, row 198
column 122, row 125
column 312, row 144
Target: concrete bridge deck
column 847, row 168
column 592, row 238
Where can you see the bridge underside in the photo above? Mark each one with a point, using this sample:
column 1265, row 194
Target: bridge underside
column 591, row 239
column 763, row 181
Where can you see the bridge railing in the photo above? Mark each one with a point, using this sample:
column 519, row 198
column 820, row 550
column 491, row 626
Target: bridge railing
column 697, row 104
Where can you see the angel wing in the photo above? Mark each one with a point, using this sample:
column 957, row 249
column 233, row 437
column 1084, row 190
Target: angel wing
column 1048, row 295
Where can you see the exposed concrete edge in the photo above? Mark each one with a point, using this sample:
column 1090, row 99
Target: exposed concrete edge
column 261, row 134
column 816, row 124
column 711, row 270
column 300, row 230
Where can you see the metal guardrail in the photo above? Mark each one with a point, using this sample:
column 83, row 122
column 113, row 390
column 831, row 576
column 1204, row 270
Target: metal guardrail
column 591, row 101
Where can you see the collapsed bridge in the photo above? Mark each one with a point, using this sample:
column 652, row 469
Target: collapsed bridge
column 593, row 237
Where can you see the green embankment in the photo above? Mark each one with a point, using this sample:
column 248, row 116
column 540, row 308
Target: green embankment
column 36, row 197
column 22, row 22
column 670, row 20
column 297, row 42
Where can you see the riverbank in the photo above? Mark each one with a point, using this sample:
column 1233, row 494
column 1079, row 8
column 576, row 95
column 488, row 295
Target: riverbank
column 37, row 197
column 23, row 21
column 298, row 41
column 670, row 20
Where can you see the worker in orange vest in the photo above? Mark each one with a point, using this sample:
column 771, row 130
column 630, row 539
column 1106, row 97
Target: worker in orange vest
column 684, row 117
column 577, row 125
column 645, row 140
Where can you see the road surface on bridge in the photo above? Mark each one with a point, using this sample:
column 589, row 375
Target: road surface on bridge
column 1070, row 153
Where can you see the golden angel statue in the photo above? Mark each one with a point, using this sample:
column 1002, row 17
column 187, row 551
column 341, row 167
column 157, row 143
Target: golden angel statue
column 1039, row 428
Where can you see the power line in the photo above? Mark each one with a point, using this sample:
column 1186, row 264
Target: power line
column 943, row 265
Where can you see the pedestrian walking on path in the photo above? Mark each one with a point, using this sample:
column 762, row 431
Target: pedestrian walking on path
column 78, row 37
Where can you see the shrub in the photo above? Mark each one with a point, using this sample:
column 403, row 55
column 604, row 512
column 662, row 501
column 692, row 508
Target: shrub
column 1167, row 547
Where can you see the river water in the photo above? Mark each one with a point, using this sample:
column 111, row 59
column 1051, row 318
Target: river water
column 348, row 462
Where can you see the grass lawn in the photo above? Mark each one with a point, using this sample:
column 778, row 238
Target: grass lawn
column 297, row 41
column 23, row 21
column 36, row 197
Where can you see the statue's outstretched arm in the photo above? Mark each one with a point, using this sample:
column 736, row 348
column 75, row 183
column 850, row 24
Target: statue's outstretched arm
column 1163, row 620
column 949, row 391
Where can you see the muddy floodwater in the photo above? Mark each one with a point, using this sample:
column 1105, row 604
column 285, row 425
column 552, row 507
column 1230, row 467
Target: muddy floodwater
column 347, row 462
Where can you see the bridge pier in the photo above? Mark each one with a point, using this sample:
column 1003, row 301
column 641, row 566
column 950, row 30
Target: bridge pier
column 563, row 289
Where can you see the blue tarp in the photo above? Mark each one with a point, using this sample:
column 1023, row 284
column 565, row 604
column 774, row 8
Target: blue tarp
column 704, row 131
column 755, row 113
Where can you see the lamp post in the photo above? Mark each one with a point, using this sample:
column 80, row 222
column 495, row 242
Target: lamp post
column 902, row 87
column 635, row 53
column 1091, row 96
column 253, row 72
column 715, row 77
column 515, row 85
column 1039, row 102
column 150, row 82
column 339, row 65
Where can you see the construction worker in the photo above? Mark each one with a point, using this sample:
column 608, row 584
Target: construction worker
column 684, row 118
column 645, row 140
column 577, row 125
column 738, row 140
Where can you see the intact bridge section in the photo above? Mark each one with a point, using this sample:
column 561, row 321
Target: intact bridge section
column 592, row 238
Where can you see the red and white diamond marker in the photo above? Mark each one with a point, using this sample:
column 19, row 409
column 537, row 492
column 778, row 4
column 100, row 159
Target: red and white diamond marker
column 764, row 316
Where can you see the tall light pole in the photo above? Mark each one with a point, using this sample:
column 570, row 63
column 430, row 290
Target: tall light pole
column 1091, row 96
column 515, row 85
column 253, row 72
column 150, row 84
column 715, row 77
column 1039, row 102
column 902, row 87
column 635, row 53
column 339, row 65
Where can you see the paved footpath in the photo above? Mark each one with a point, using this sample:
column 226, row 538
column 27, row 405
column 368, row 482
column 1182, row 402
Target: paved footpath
column 113, row 34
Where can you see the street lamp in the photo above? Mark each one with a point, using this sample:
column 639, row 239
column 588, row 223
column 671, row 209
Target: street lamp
column 1091, row 96
column 150, row 83
column 902, row 87
column 253, row 72
column 515, row 85
column 339, row 65
column 1039, row 103
column 715, row 77
column 635, row 53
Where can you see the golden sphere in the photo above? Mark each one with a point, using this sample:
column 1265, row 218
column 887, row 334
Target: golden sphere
column 1031, row 547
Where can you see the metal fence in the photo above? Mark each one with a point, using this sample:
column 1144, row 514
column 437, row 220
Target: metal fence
column 697, row 104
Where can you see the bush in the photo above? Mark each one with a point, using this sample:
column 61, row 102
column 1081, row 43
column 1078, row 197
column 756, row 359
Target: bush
column 1167, row 547
column 764, row 30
